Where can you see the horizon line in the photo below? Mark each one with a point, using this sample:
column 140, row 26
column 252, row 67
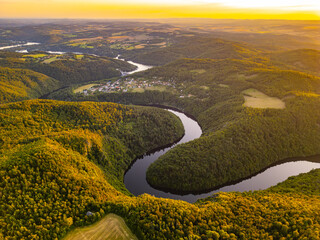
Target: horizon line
column 75, row 18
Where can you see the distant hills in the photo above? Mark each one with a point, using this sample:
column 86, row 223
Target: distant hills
column 27, row 76
column 300, row 59
column 197, row 47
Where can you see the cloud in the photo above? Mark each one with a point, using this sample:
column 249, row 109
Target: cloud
column 283, row 4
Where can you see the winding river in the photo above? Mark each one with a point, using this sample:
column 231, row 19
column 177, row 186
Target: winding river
column 19, row 45
column 140, row 67
column 135, row 177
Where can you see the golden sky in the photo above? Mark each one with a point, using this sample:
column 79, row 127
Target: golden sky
column 237, row 9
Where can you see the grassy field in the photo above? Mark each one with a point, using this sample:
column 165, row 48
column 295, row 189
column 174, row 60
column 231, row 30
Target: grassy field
column 35, row 55
column 256, row 99
column 110, row 227
column 79, row 56
column 50, row 60
column 84, row 87
column 199, row 71
column 137, row 90
column 152, row 88
column 204, row 87
column 157, row 88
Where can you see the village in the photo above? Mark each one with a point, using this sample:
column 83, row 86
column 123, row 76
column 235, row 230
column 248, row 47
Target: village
column 129, row 84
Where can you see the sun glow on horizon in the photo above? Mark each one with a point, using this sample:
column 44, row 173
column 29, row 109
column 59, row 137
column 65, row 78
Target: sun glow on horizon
column 246, row 9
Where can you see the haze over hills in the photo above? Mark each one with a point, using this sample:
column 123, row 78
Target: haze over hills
column 197, row 47
column 253, row 86
column 302, row 59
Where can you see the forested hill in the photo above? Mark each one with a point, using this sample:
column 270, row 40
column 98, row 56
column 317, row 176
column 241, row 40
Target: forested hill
column 307, row 183
column 237, row 139
column 20, row 84
column 197, row 47
column 67, row 68
column 27, row 76
column 235, row 75
column 59, row 160
column 300, row 59
column 216, row 91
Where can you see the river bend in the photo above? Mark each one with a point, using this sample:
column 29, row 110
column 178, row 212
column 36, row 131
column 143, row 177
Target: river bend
column 135, row 177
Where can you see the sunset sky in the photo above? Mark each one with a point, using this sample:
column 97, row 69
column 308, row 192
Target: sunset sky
column 245, row 9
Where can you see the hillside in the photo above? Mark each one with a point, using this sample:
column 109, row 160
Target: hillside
column 66, row 68
column 196, row 47
column 253, row 142
column 69, row 123
column 214, row 92
column 20, row 84
column 80, row 148
column 238, row 141
column 301, row 59
column 307, row 183
column 32, row 75
column 51, row 179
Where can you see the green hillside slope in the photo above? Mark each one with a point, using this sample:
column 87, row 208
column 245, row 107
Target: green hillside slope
column 214, row 91
column 301, row 59
column 200, row 47
column 29, row 76
column 238, row 141
column 20, row 84
column 67, row 68
column 56, row 162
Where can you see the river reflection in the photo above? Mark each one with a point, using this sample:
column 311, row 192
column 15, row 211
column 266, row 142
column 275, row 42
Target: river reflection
column 135, row 178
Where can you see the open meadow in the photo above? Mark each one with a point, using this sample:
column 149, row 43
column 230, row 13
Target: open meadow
column 110, row 227
column 256, row 99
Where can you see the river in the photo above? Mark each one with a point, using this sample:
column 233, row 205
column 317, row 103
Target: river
column 19, row 45
column 140, row 67
column 135, row 177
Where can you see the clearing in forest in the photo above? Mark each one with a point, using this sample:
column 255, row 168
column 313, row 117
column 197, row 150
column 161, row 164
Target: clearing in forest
column 256, row 99
column 50, row 60
column 110, row 227
column 85, row 87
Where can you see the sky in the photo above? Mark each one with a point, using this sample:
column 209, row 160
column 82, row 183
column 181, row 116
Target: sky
column 231, row 9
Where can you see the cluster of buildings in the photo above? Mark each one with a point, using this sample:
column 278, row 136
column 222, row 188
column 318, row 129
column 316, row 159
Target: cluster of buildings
column 124, row 85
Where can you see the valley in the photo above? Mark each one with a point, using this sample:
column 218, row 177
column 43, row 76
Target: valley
column 223, row 145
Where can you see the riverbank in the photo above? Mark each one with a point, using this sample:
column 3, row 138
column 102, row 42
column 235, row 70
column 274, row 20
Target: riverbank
column 136, row 183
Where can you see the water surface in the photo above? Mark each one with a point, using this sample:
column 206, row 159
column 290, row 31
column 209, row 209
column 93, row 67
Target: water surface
column 140, row 67
column 135, row 178
column 19, row 45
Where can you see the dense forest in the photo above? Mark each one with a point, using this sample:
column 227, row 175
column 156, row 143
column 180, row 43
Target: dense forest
column 69, row 123
column 306, row 183
column 20, row 84
column 254, row 138
column 63, row 167
column 301, row 59
column 212, row 91
column 259, row 139
column 196, row 47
